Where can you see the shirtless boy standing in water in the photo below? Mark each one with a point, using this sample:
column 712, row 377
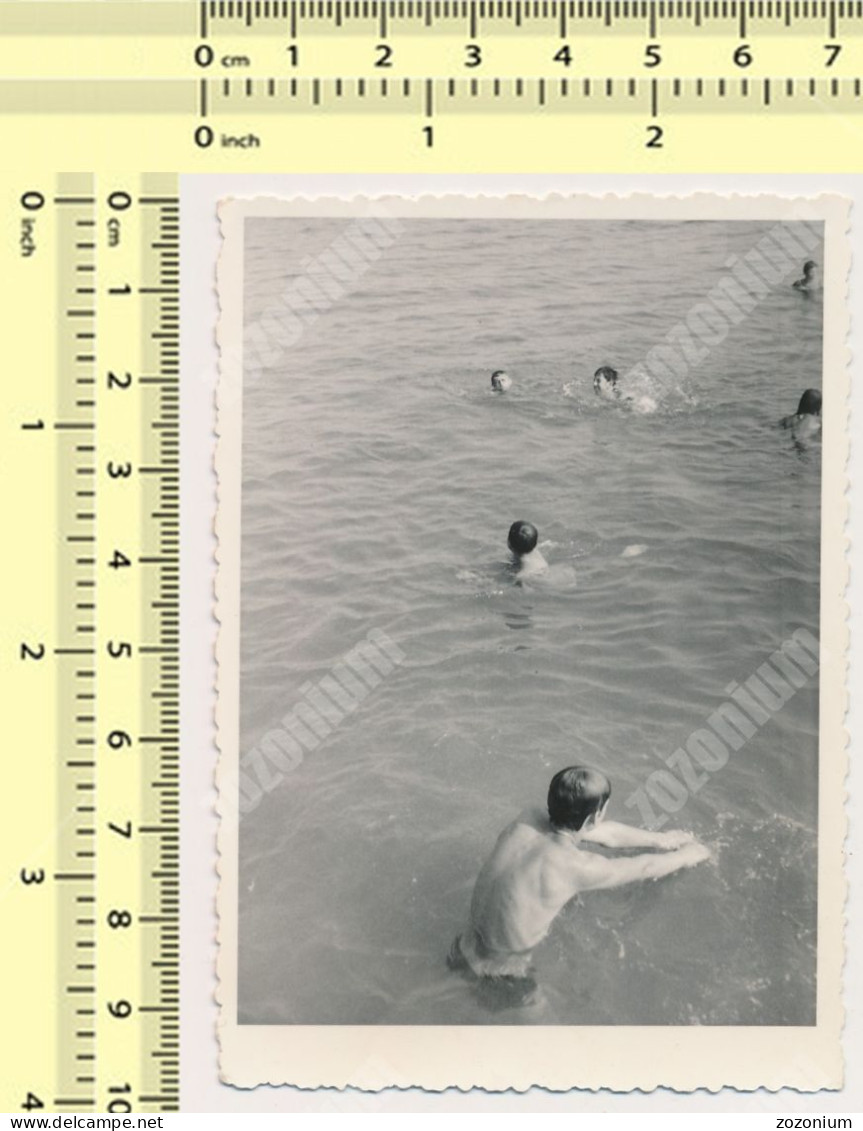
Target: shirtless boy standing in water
column 540, row 862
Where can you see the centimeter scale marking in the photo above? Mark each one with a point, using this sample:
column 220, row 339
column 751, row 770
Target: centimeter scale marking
column 90, row 647
column 184, row 17
column 469, row 15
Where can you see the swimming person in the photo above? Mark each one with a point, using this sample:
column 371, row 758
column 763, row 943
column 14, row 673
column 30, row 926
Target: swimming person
column 809, row 280
column 500, row 381
column 605, row 382
column 543, row 860
column 806, row 421
column 605, row 385
column 522, row 540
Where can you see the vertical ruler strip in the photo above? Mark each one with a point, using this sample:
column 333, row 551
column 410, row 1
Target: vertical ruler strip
column 89, row 644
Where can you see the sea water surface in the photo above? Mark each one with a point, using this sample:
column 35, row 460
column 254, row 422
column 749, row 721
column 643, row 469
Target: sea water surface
column 380, row 477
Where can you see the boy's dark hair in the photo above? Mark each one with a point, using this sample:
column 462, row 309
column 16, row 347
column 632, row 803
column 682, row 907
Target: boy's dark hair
column 810, row 403
column 575, row 794
column 523, row 537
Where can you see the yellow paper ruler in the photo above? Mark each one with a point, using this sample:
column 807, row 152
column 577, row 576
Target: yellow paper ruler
column 89, row 643
column 435, row 85
column 89, row 459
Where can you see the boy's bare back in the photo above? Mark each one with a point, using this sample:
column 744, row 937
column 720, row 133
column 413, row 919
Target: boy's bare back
column 525, row 882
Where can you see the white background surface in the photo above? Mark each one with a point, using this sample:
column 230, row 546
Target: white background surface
column 201, row 1091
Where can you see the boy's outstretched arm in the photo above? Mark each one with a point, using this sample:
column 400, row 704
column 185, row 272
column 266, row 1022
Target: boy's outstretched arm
column 613, row 834
column 598, row 872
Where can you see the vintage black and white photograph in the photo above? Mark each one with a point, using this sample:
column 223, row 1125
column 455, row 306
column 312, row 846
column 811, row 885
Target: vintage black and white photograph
column 531, row 652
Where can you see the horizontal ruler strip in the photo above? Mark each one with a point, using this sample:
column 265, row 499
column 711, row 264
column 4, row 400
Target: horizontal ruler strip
column 427, row 96
column 191, row 17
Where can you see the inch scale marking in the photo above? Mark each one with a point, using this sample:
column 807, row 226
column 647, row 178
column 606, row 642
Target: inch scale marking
column 628, row 85
column 89, row 644
column 75, row 647
column 587, row 94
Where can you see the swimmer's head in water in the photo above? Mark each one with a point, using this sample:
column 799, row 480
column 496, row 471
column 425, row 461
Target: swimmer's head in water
column 809, row 266
column 575, row 795
column 523, row 537
column 810, row 403
column 605, row 380
column 500, row 380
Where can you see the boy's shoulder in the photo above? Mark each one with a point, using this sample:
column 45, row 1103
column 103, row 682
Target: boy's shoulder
column 534, row 818
column 533, row 562
column 527, row 826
